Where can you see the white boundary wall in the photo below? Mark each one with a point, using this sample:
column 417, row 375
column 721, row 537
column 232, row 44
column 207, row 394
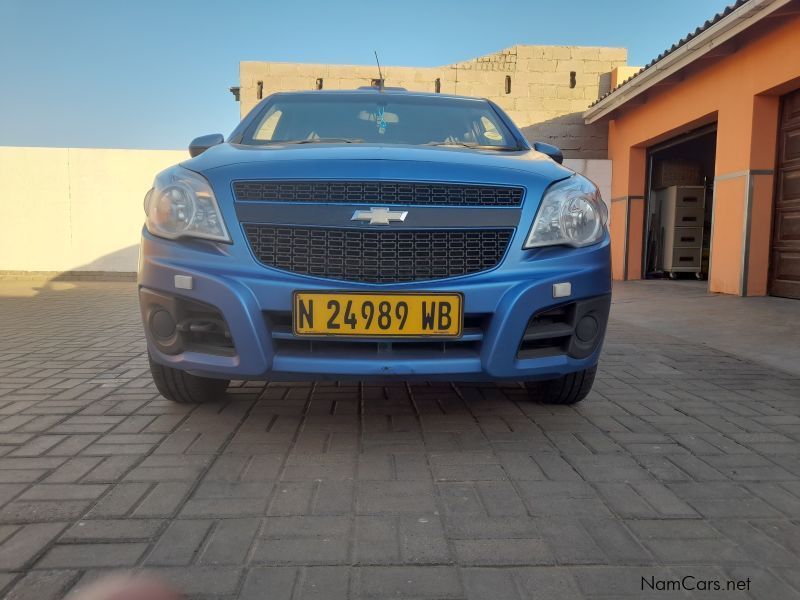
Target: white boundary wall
column 80, row 209
column 67, row 209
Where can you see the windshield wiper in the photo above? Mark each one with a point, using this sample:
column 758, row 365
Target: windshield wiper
column 320, row 141
column 473, row 146
column 465, row 144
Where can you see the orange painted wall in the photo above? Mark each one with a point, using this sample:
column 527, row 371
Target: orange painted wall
column 741, row 92
column 726, row 235
column 617, row 220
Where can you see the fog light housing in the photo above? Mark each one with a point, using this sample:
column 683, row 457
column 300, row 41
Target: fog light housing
column 176, row 324
column 587, row 328
column 162, row 325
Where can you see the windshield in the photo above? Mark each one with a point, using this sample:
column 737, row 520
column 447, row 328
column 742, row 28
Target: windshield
column 380, row 119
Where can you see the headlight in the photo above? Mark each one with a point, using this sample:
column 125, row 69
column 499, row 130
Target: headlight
column 182, row 204
column 572, row 214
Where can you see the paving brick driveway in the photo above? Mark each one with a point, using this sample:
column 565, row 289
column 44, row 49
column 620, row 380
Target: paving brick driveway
column 683, row 461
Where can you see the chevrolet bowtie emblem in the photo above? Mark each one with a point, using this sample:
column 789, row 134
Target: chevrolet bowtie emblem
column 379, row 216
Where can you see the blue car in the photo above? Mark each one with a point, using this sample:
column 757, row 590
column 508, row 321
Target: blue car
column 374, row 234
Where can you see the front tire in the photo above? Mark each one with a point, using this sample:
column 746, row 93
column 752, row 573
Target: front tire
column 568, row 389
column 182, row 387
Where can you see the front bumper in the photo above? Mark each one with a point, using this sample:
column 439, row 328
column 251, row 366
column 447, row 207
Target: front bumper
column 249, row 296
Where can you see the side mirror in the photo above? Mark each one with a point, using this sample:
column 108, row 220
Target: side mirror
column 204, row 142
column 550, row 150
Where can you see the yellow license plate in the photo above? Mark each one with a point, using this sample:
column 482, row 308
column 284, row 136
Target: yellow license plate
column 380, row 315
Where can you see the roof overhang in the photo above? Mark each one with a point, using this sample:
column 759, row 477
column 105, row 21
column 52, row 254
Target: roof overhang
column 704, row 44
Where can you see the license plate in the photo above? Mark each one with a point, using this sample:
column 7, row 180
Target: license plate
column 380, row 315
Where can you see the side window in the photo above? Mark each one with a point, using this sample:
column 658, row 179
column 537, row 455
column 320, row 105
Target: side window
column 489, row 132
column 267, row 128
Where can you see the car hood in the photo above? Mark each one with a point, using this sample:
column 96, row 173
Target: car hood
column 318, row 159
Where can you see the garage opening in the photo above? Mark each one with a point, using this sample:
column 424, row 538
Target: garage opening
column 680, row 198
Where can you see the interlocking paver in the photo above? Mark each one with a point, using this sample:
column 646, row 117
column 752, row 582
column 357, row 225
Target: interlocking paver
column 111, row 530
column 163, row 500
column 395, row 497
column 304, row 540
column 409, row 582
column 229, row 542
column 618, row 544
column 55, row 491
column 545, row 583
column 490, row 584
column 682, row 461
column 400, row 539
column 280, row 582
column 180, row 543
column 26, row 543
column 504, row 552
column 92, row 555
column 202, row 580
column 43, row 585
column 562, row 498
column 40, row 512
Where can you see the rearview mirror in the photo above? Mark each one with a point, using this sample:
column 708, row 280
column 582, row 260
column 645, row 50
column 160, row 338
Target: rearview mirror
column 204, row 142
column 389, row 117
column 549, row 150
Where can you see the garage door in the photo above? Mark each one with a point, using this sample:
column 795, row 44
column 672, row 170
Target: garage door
column 785, row 270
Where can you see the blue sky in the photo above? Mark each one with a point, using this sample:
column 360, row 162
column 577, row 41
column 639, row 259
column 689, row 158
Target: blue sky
column 155, row 73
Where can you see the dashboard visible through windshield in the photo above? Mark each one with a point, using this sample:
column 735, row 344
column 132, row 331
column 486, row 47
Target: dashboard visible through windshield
column 380, row 119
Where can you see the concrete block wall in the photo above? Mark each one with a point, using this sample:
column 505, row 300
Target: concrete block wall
column 546, row 100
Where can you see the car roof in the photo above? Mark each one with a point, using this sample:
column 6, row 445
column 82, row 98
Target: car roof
column 387, row 91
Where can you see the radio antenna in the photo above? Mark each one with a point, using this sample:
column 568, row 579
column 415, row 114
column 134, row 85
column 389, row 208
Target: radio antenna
column 380, row 73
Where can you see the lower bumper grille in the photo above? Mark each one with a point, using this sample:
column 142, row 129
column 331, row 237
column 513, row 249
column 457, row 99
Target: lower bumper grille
column 574, row 329
column 285, row 342
column 375, row 349
column 372, row 256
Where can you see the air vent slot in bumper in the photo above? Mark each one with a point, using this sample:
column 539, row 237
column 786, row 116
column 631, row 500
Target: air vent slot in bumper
column 379, row 192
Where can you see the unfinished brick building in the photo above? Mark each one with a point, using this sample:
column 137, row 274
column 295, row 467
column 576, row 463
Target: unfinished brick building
column 545, row 89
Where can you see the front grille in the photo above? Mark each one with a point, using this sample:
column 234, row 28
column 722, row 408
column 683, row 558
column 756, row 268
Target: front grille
column 379, row 192
column 372, row 256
